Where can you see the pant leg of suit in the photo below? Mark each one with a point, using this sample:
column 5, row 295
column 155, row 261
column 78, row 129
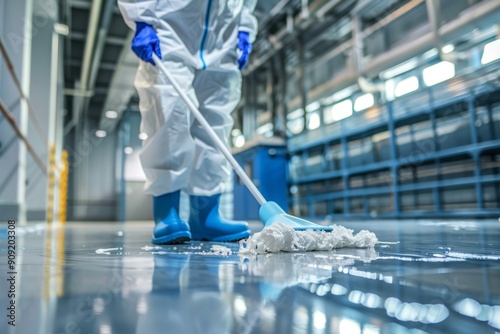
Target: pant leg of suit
column 218, row 90
column 168, row 153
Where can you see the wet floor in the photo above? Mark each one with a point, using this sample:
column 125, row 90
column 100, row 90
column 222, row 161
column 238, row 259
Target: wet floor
column 434, row 277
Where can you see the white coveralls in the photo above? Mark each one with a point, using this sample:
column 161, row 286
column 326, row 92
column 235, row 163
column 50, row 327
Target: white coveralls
column 198, row 41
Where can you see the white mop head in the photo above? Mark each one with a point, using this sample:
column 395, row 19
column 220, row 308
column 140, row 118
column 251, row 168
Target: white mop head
column 280, row 237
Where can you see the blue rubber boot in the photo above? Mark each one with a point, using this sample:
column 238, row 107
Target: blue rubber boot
column 207, row 224
column 169, row 228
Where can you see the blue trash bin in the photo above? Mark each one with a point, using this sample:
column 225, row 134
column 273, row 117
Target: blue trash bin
column 266, row 165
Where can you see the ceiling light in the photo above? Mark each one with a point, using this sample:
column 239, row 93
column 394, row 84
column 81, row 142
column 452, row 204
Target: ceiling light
column 128, row 150
column 111, row 114
column 448, row 48
column 235, row 132
column 61, row 29
column 239, row 141
column 143, row 136
column 100, row 133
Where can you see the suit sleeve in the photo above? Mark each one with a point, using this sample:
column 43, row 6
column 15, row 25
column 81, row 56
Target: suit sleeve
column 138, row 11
column 248, row 22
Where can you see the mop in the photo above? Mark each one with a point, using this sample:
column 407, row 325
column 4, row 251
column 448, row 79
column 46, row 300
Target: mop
column 270, row 213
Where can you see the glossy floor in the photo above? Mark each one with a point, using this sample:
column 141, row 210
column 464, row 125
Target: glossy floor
column 435, row 277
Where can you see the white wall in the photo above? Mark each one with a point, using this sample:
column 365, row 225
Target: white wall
column 26, row 28
column 13, row 155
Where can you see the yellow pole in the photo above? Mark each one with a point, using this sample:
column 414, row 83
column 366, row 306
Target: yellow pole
column 50, row 192
column 61, row 259
column 63, row 187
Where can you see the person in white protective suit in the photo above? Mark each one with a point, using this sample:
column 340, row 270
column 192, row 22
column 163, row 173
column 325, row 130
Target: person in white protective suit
column 204, row 44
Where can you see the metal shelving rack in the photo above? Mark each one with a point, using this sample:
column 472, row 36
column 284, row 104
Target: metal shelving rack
column 454, row 171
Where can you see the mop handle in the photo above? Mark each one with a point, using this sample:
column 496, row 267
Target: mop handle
column 211, row 133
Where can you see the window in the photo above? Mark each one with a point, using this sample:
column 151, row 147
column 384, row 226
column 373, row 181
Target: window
column 491, row 52
column 296, row 126
column 337, row 112
column 295, row 122
column 390, row 85
column 295, row 114
column 406, row 86
column 438, row 73
column 266, row 130
column 313, row 120
column 364, row 102
column 313, row 106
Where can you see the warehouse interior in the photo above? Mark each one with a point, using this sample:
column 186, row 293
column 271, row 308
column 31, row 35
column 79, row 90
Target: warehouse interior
column 377, row 115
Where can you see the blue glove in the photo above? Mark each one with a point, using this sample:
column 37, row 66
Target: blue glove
column 145, row 42
column 245, row 46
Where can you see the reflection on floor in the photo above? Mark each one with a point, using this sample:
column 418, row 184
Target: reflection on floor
column 436, row 277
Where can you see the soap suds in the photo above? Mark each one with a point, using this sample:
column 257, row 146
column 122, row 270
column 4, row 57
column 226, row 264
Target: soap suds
column 221, row 250
column 281, row 237
column 284, row 270
column 107, row 251
column 215, row 250
column 148, row 248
